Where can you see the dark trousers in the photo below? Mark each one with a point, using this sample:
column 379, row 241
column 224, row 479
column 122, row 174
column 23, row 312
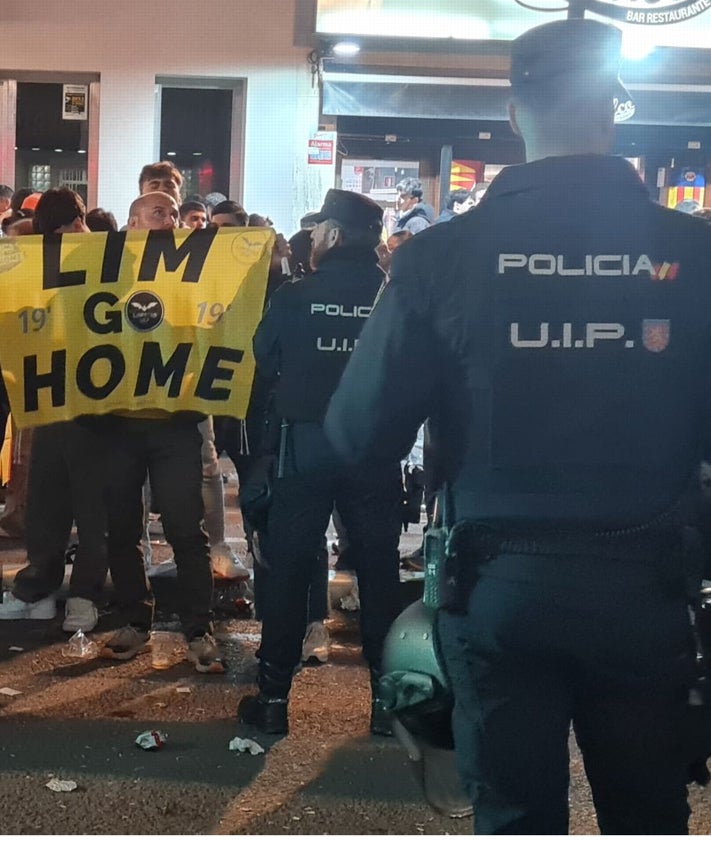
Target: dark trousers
column 67, row 480
column 168, row 452
column 229, row 436
column 532, row 657
column 369, row 502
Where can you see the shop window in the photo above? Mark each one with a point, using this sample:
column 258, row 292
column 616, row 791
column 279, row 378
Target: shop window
column 196, row 134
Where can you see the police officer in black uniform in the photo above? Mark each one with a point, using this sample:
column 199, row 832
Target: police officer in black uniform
column 560, row 337
column 305, row 340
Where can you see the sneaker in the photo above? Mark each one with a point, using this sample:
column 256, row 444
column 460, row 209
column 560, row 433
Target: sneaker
column 316, row 643
column 125, row 644
column 14, row 608
column 225, row 564
column 80, row 615
column 204, row 654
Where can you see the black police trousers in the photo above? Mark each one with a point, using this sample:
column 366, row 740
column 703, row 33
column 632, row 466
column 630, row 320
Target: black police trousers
column 550, row 641
column 369, row 501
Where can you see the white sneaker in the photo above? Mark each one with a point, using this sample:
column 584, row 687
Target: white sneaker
column 316, row 643
column 13, row 608
column 80, row 615
column 225, row 564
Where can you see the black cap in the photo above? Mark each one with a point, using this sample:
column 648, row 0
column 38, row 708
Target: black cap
column 574, row 48
column 351, row 209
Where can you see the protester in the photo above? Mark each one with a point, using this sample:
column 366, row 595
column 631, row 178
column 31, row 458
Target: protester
column 193, row 214
column 167, row 179
column 67, row 476
column 99, row 219
column 166, row 448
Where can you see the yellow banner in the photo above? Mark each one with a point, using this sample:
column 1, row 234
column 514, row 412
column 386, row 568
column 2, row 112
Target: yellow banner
column 131, row 321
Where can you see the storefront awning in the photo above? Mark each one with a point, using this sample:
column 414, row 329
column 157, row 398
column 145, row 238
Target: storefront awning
column 418, row 97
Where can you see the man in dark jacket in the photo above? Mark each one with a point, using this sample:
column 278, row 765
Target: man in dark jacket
column 415, row 214
column 305, row 339
column 557, row 336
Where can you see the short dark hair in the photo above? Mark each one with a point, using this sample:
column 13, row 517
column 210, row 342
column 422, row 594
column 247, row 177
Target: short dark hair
column 188, row 206
column 160, row 169
column 6, row 192
column 256, row 220
column 19, row 196
column 57, row 207
column 232, row 208
column 99, row 219
column 410, row 187
column 456, row 197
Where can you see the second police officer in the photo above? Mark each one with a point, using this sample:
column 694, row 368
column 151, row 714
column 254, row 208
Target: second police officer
column 303, row 343
column 560, row 334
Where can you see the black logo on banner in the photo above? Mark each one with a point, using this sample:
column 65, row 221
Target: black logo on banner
column 144, row 311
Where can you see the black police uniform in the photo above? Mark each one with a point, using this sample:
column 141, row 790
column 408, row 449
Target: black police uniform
column 558, row 338
column 306, row 337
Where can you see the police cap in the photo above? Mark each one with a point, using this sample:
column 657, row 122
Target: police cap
column 577, row 49
column 353, row 210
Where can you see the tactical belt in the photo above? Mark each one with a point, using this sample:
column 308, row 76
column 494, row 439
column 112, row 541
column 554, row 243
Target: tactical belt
column 573, row 544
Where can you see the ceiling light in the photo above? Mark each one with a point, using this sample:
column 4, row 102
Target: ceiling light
column 346, row 48
column 171, row 154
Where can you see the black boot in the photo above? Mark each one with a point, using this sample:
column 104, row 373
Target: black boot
column 268, row 711
column 380, row 717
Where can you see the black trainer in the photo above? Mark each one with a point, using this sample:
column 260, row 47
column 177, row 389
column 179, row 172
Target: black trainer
column 268, row 715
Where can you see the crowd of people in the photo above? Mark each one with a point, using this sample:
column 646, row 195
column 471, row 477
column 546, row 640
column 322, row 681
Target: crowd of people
column 566, row 422
column 105, row 474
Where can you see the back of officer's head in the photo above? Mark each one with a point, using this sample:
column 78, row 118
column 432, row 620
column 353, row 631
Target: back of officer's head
column 565, row 87
column 353, row 221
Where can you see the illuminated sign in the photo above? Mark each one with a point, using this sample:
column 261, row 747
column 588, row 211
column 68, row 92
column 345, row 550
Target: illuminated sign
column 674, row 23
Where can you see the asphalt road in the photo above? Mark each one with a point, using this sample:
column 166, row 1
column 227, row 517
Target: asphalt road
column 77, row 720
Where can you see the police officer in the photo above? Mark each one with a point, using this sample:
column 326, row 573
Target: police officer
column 560, row 335
column 305, row 338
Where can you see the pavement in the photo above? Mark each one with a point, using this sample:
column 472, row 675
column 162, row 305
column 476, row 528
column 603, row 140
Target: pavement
column 75, row 720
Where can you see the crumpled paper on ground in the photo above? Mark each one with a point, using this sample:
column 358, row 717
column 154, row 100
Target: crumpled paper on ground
column 61, row 785
column 246, row 746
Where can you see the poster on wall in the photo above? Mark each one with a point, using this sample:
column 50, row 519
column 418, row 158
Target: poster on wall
column 322, row 148
column 75, row 102
column 377, row 179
